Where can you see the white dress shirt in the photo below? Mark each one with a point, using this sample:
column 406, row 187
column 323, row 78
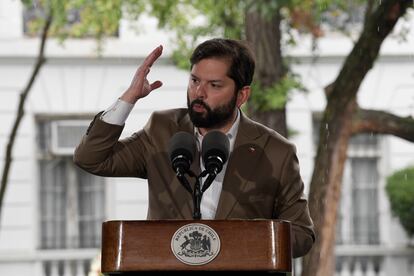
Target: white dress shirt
column 211, row 196
column 117, row 114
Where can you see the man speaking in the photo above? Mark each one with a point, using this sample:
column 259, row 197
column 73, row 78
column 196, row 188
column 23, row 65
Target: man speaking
column 261, row 178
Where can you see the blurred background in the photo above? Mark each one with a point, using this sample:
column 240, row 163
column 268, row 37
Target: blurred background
column 312, row 61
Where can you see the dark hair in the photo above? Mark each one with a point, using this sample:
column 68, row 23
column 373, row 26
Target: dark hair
column 241, row 58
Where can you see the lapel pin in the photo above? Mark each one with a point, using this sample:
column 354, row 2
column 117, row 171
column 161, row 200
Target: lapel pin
column 252, row 149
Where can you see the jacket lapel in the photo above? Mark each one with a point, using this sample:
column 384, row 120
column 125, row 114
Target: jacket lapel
column 242, row 164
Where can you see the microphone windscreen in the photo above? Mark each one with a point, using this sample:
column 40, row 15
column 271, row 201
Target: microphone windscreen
column 215, row 143
column 182, row 143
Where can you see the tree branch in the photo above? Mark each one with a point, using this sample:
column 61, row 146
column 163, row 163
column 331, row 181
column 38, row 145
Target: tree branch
column 382, row 122
column 20, row 111
column 363, row 55
column 368, row 10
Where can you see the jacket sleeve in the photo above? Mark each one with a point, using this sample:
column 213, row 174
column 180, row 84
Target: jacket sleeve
column 101, row 153
column 293, row 206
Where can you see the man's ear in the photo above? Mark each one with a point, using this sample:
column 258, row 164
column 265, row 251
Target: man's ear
column 243, row 95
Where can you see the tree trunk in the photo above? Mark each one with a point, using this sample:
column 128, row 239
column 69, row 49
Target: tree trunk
column 336, row 129
column 20, row 112
column 263, row 33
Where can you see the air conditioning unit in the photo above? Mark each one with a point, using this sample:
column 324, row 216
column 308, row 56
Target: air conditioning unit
column 66, row 135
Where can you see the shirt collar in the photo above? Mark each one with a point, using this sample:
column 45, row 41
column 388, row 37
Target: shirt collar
column 231, row 133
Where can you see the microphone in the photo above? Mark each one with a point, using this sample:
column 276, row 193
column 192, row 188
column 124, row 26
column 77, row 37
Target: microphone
column 215, row 151
column 182, row 148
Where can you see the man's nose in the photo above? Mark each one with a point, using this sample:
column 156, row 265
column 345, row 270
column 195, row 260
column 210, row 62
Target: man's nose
column 201, row 90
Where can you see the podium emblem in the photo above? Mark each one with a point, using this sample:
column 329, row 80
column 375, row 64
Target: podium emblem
column 195, row 244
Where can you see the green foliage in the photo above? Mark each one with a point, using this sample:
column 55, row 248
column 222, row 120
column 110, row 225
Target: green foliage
column 227, row 19
column 192, row 21
column 276, row 96
column 98, row 18
column 76, row 18
column 171, row 14
column 181, row 55
column 400, row 190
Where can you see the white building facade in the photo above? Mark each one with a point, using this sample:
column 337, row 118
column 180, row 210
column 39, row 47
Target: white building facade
column 52, row 213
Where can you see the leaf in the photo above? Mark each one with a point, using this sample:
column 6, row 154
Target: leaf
column 400, row 190
column 276, row 96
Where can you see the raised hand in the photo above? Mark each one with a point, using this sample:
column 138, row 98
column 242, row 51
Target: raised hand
column 140, row 86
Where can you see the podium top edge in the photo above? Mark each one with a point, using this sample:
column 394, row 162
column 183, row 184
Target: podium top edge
column 278, row 221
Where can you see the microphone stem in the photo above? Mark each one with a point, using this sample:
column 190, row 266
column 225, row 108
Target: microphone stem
column 209, row 180
column 197, row 200
column 184, row 182
column 198, row 191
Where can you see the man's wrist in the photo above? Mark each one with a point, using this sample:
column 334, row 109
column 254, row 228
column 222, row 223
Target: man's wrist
column 118, row 112
column 129, row 97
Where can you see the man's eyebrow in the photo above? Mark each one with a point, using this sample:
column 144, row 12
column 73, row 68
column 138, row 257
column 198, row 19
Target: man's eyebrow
column 194, row 76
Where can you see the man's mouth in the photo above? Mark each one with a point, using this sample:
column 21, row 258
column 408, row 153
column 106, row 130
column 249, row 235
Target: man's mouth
column 198, row 108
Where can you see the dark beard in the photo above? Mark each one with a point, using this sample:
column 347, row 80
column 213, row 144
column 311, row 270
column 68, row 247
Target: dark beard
column 212, row 118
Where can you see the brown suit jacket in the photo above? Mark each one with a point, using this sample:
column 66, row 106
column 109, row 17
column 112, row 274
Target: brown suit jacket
column 262, row 180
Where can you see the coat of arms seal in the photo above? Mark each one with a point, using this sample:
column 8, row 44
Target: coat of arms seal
column 195, row 244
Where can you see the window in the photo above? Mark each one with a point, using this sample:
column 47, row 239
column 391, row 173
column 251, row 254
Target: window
column 358, row 217
column 72, row 201
column 364, row 201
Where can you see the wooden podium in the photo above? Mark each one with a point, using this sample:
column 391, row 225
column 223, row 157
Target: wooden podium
column 129, row 247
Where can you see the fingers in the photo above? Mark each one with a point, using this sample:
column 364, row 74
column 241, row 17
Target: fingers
column 144, row 69
column 140, row 86
column 155, row 85
column 153, row 56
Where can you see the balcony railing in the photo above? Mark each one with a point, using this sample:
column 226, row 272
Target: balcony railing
column 71, row 262
column 355, row 260
column 351, row 260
